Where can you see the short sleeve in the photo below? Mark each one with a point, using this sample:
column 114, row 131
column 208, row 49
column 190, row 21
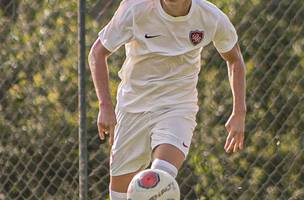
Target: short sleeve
column 119, row 30
column 225, row 36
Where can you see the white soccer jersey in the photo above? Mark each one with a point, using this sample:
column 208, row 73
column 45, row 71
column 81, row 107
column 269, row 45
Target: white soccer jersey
column 163, row 53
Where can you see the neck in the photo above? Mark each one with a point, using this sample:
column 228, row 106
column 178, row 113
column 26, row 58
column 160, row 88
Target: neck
column 176, row 8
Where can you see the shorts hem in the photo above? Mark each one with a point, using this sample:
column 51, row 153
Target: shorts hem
column 185, row 152
column 130, row 170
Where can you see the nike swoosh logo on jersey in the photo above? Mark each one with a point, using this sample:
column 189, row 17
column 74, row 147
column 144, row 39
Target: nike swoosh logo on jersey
column 151, row 36
column 185, row 145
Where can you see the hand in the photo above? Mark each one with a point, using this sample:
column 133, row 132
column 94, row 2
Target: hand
column 106, row 121
column 235, row 127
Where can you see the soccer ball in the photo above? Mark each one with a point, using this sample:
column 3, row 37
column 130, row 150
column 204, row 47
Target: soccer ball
column 153, row 184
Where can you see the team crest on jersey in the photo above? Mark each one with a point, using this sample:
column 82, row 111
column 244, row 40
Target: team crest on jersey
column 196, row 36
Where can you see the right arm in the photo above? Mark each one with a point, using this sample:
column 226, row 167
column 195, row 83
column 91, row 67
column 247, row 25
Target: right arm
column 116, row 33
column 100, row 74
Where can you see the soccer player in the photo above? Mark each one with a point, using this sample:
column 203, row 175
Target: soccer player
column 157, row 98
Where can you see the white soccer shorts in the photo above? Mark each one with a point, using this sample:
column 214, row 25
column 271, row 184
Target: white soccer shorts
column 137, row 134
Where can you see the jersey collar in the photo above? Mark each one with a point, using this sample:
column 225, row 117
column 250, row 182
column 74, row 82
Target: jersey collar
column 171, row 18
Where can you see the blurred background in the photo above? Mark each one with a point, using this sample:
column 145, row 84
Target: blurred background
column 39, row 104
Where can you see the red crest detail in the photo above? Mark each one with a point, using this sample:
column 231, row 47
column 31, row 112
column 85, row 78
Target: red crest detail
column 196, row 36
column 148, row 180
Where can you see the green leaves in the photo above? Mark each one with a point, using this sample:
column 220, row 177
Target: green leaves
column 38, row 104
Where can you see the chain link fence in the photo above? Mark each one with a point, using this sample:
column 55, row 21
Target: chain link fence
column 38, row 100
column 39, row 113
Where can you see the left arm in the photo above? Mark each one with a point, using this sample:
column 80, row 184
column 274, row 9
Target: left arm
column 236, row 123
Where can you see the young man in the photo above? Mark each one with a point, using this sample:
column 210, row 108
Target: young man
column 157, row 97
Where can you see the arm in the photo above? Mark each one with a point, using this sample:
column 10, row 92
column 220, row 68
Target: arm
column 100, row 75
column 116, row 33
column 236, row 123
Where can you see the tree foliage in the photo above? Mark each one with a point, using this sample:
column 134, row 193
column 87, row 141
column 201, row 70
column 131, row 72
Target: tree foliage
column 38, row 104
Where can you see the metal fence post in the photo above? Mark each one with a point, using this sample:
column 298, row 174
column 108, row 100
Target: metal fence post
column 83, row 157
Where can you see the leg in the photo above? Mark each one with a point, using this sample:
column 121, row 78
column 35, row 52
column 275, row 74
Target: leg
column 129, row 153
column 164, row 152
column 119, row 186
column 120, row 183
column 170, row 154
column 171, row 138
column 168, row 158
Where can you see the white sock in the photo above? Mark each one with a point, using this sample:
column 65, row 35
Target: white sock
column 117, row 195
column 165, row 166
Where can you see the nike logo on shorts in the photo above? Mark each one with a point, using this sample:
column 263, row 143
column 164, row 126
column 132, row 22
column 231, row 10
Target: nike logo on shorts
column 185, row 145
column 151, row 36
